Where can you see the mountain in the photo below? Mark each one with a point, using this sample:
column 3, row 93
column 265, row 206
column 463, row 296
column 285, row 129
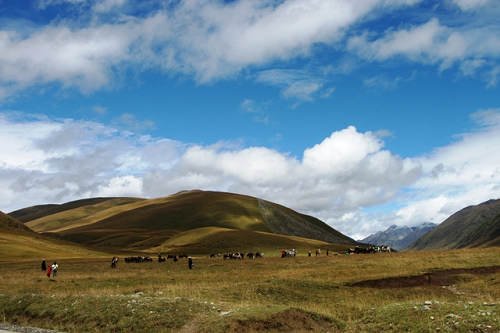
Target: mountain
column 399, row 237
column 473, row 226
column 201, row 220
column 10, row 224
column 35, row 212
column 18, row 241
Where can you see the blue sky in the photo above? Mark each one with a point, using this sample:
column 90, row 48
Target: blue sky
column 364, row 114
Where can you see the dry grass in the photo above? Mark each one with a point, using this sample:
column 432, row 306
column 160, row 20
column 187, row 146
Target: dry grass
column 267, row 294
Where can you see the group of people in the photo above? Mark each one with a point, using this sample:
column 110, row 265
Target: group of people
column 51, row 270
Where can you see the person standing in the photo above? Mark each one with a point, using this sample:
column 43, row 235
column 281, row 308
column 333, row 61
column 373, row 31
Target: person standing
column 55, row 268
column 49, row 271
column 190, row 262
column 44, row 265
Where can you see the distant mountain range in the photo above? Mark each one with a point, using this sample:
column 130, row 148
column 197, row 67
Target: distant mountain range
column 399, row 237
column 473, row 226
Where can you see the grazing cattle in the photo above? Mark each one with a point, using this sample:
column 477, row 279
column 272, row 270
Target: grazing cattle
column 259, row 254
column 235, row 255
column 368, row 249
column 138, row 259
column 288, row 253
column 161, row 259
column 250, row 255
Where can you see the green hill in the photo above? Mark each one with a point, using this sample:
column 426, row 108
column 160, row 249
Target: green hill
column 151, row 223
column 8, row 223
column 35, row 212
column 79, row 213
column 474, row 226
column 19, row 242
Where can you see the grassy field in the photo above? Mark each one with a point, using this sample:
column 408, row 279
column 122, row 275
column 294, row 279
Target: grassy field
column 339, row 293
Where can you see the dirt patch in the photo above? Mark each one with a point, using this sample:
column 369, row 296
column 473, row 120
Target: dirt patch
column 436, row 278
column 290, row 320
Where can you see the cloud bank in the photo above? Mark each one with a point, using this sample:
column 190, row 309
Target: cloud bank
column 339, row 179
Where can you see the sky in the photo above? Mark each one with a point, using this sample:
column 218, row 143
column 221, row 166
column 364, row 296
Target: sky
column 362, row 113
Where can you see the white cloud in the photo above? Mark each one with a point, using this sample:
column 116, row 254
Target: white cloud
column 297, row 84
column 121, row 186
column 466, row 172
column 471, row 4
column 209, row 40
column 104, row 6
column 432, row 43
column 64, row 160
column 338, row 180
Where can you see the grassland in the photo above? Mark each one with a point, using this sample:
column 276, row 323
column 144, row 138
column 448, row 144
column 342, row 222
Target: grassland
column 271, row 294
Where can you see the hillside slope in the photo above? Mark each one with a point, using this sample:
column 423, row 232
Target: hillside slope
column 18, row 241
column 35, row 212
column 473, row 226
column 143, row 224
column 79, row 215
column 197, row 209
column 10, row 224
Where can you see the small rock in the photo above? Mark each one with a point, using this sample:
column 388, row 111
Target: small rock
column 428, row 302
column 225, row 313
column 426, row 308
column 452, row 315
column 432, row 317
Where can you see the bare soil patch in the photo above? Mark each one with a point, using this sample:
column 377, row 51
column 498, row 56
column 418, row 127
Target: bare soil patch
column 290, row 320
column 434, row 278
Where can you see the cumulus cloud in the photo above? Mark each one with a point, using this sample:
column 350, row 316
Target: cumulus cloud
column 68, row 159
column 342, row 179
column 464, row 173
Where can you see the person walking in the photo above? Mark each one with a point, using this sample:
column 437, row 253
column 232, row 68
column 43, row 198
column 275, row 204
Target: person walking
column 190, row 262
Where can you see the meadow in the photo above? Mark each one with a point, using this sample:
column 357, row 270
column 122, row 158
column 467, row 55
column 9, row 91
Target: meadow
column 433, row 291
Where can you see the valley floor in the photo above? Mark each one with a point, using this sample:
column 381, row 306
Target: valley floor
column 449, row 291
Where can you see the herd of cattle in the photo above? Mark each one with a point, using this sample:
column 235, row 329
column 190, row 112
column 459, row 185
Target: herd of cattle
column 253, row 255
column 369, row 249
column 238, row 255
column 161, row 258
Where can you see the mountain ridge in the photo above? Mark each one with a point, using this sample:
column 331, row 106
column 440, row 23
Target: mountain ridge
column 472, row 226
column 399, row 237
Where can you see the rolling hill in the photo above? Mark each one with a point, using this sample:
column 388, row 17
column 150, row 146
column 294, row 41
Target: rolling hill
column 39, row 211
column 209, row 220
column 19, row 242
column 474, row 226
